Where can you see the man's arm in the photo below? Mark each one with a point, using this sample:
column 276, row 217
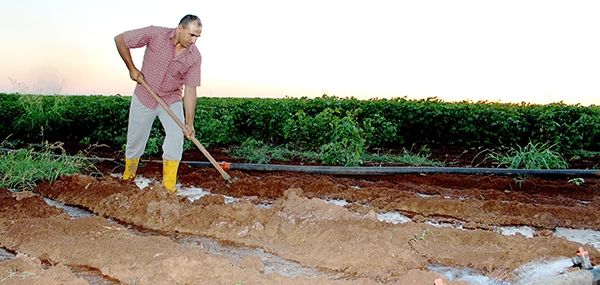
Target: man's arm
column 125, row 54
column 189, row 104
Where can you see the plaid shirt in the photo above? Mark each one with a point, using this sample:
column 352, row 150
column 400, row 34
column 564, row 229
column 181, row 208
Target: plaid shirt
column 164, row 71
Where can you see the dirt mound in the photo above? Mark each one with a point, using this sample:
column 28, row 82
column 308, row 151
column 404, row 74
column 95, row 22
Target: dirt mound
column 311, row 231
column 117, row 253
column 485, row 200
column 297, row 208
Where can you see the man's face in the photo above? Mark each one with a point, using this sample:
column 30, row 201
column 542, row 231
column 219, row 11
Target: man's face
column 189, row 34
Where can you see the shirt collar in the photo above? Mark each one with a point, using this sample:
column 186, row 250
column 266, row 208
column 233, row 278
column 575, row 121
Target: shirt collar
column 171, row 34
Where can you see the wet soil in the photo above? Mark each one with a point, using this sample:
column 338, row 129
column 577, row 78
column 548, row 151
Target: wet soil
column 30, row 226
column 343, row 245
column 482, row 201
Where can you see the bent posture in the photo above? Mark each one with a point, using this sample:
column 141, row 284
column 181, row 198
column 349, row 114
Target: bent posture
column 171, row 61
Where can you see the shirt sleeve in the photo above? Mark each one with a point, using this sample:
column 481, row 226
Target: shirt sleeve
column 139, row 37
column 193, row 74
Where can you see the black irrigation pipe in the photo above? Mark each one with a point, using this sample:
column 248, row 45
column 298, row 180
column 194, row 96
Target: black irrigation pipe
column 388, row 170
column 384, row 170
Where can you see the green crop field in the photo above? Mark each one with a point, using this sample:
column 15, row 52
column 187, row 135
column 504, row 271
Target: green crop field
column 340, row 130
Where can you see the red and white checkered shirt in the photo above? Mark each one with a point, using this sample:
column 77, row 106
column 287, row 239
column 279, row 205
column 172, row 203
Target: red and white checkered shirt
column 165, row 72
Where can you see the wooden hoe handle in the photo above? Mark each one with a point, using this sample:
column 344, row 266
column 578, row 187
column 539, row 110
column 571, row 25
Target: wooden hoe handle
column 182, row 126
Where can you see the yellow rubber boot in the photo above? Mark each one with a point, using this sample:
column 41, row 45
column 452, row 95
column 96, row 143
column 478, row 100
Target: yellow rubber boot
column 170, row 174
column 131, row 166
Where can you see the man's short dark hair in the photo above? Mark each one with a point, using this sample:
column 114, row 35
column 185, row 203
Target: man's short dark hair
column 188, row 19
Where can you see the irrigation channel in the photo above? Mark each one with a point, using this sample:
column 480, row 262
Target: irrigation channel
column 300, row 228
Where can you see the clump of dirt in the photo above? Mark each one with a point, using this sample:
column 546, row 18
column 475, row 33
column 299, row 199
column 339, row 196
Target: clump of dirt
column 297, row 208
column 313, row 232
column 210, row 200
column 11, row 210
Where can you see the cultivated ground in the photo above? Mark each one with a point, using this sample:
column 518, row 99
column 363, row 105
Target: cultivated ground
column 289, row 228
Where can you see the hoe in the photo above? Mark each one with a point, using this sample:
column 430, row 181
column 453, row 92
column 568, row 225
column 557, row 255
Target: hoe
column 193, row 139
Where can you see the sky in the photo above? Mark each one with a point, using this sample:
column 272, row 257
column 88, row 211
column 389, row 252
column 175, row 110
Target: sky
column 506, row 51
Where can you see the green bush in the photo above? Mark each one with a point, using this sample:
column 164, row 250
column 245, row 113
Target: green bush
column 346, row 146
column 215, row 128
column 311, row 132
column 380, row 132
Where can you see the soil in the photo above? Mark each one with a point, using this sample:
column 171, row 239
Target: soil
column 26, row 270
column 31, row 227
column 343, row 244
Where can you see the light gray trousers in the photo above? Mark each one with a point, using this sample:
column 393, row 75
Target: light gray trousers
column 140, row 124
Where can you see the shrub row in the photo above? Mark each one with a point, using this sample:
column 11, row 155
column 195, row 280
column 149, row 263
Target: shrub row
column 326, row 123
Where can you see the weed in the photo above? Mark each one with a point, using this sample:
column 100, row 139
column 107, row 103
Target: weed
column 423, row 236
column 577, row 181
column 40, row 114
column 520, row 180
column 22, row 169
column 256, row 151
column 531, row 156
column 420, row 158
column 280, row 153
column 579, row 154
column 418, row 237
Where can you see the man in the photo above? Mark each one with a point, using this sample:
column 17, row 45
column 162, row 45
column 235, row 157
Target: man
column 171, row 60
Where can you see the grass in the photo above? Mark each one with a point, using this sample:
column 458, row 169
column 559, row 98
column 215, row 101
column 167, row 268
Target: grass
column 531, row 156
column 255, row 151
column 404, row 158
column 579, row 154
column 22, row 169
